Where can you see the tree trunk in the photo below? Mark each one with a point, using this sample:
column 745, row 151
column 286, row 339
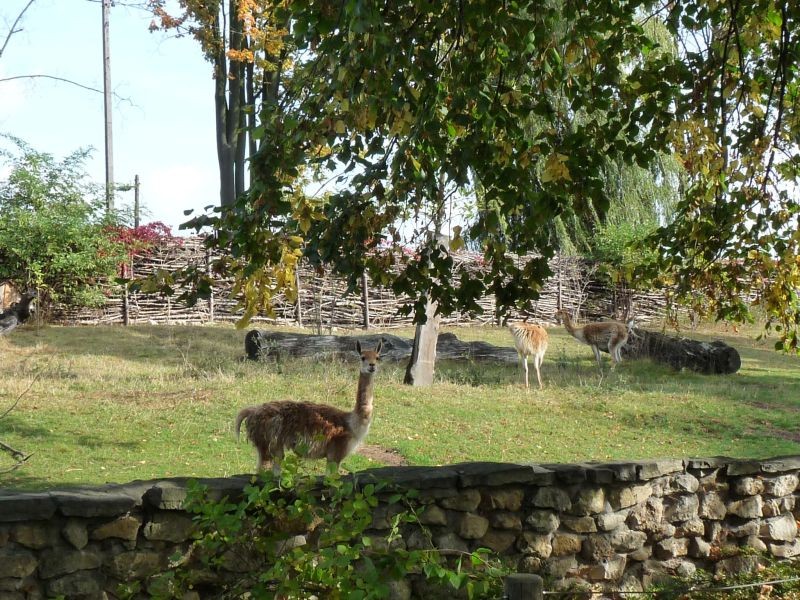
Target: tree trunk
column 420, row 369
column 709, row 358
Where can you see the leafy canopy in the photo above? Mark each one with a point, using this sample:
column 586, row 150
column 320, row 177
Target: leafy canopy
column 404, row 102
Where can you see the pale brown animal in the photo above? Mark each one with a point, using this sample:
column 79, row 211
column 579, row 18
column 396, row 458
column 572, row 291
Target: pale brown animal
column 604, row 334
column 530, row 340
column 310, row 429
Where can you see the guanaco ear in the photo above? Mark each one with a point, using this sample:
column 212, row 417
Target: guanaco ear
column 380, row 345
column 358, row 347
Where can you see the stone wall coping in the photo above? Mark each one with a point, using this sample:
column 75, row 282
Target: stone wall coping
column 168, row 494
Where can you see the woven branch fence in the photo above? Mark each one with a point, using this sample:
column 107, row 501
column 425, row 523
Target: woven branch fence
column 324, row 304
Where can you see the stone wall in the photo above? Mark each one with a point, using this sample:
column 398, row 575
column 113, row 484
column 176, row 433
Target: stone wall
column 614, row 526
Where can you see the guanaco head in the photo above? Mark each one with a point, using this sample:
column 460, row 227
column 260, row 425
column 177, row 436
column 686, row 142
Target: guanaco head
column 562, row 316
column 369, row 358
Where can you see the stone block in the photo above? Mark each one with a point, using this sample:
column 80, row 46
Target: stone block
column 736, row 565
column 465, row 501
column 498, row 540
column 383, row 514
column 692, row 528
column 565, row 544
column 712, row 507
column 627, row 496
column 681, row 508
column 544, row 521
column 432, row 515
column 648, row 516
column 81, row 584
column 781, row 465
column 589, row 501
column 774, row 507
column 535, row 544
column 169, row 527
column 502, row 499
column 75, row 532
column 32, row 506
column 529, row 564
column 741, row 529
column 747, row 508
column 35, row 535
column 780, row 529
column 579, row 524
column 657, row 468
column 684, row 482
column 754, row 542
column 560, row 566
column 135, row 564
column 747, row 486
column 552, row 497
column 642, row 554
column 505, row 520
column 472, row 526
column 671, row 548
column 419, row 540
column 450, row 541
column 17, row 563
column 611, row 520
column 492, row 474
column 58, row 562
column 699, row 548
column 108, row 501
column 781, row 486
column 125, row 527
column 743, row 467
column 788, row 550
column 596, row 548
column 608, row 569
column 624, row 540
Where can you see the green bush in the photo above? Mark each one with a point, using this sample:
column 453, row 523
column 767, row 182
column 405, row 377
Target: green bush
column 301, row 536
column 52, row 228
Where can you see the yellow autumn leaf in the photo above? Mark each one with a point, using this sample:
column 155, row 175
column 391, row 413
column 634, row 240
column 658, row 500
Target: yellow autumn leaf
column 555, row 169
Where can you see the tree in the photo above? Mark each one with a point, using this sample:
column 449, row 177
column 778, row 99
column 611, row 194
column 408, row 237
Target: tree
column 52, row 232
column 243, row 42
column 736, row 128
column 405, row 102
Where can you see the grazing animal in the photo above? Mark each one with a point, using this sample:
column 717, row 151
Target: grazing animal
column 313, row 430
column 530, row 340
column 17, row 313
column 604, row 334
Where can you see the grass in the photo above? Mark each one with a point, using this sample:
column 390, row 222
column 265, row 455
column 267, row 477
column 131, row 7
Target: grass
column 114, row 404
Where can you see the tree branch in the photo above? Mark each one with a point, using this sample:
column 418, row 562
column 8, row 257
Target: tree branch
column 13, row 28
column 64, row 80
column 20, row 457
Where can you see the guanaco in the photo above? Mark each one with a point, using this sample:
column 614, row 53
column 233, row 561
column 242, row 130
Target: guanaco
column 604, row 334
column 530, row 340
column 311, row 429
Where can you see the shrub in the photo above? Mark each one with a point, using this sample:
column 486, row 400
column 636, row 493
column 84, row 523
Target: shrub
column 300, row 536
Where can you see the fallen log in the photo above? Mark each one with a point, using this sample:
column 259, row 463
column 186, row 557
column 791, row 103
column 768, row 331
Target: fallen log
column 259, row 343
column 709, row 358
column 703, row 357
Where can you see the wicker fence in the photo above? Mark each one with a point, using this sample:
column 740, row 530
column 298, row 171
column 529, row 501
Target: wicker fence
column 324, row 303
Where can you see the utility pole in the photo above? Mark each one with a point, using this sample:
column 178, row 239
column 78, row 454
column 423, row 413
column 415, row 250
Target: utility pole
column 107, row 107
column 136, row 201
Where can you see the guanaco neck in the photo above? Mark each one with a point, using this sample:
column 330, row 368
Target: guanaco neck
column 568, row 324
column 364, row 396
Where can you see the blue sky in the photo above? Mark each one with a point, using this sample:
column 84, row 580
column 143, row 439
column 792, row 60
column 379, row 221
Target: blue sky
column 163, row 116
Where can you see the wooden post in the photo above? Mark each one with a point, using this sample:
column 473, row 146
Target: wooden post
column 365, row 298
column 420, row 369
column 523, row 586
column 211, row 297
column 298, row 311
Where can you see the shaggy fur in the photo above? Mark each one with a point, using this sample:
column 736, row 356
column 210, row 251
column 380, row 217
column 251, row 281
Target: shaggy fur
column 605, row 334
column 530, row 340
column 309, row 429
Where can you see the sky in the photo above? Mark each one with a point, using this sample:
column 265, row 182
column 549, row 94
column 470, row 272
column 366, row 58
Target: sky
column 163, row 110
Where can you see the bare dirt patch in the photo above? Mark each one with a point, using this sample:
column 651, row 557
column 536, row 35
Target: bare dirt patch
column 384, row 456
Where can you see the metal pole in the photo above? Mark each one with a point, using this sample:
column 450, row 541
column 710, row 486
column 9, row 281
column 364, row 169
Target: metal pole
column 523, row 586
column 107, row 109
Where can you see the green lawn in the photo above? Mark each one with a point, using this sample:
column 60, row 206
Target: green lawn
column 114, row 404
